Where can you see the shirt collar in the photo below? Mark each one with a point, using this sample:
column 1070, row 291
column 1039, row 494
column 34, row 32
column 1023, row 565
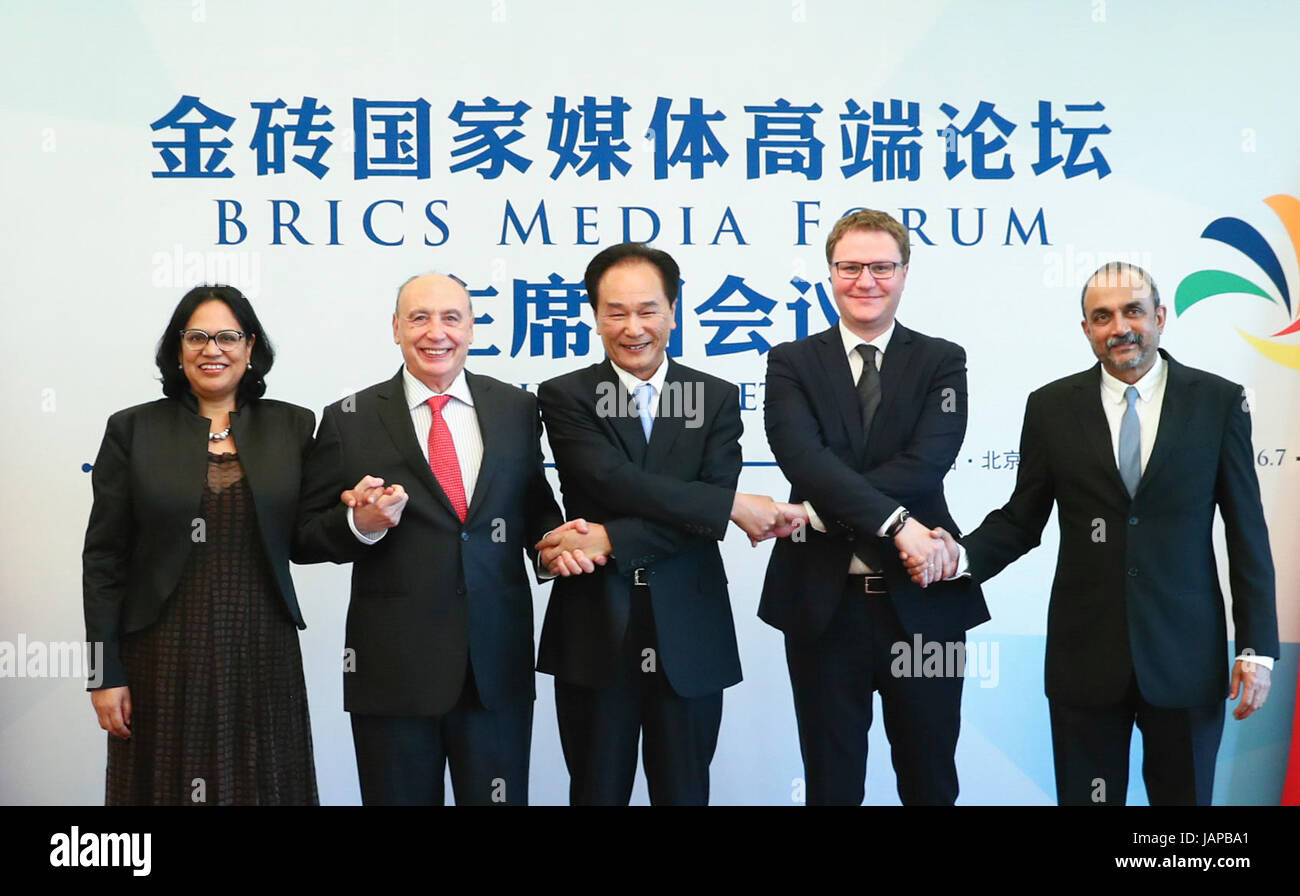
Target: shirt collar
column 417, row 393
column 853, row 340
column 1113, row 388
column 630, row 381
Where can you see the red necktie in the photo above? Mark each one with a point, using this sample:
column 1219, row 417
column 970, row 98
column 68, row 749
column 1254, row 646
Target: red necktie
column 442, row 457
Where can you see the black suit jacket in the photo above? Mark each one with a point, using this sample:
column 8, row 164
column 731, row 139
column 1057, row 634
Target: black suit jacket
column 434, row 593
column 148, row 483
column 855, row 481
column 1136, row 587
column 665, row 506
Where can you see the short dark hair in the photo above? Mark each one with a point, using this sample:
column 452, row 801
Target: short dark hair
column 174, row 382
column 1120, row 273
column 625, row 253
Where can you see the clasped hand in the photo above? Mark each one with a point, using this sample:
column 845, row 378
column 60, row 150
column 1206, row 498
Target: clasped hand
column 375, row 506
column 574, row 548
column 929, row 555
column 762, row 518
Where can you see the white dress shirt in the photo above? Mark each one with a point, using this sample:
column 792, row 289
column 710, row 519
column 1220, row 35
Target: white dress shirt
column 851, row 342
column 630, row 381
column 461, row 420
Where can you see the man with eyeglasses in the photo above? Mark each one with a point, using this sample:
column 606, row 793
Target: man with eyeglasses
column 865, row 419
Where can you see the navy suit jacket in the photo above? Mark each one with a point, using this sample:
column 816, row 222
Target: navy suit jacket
column 855, row 480
column 1137, row 588
column 665, row 506
column 434, row 593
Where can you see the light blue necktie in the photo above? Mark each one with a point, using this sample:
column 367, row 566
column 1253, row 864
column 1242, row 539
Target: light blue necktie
column 645, row 400
column 1130, row 443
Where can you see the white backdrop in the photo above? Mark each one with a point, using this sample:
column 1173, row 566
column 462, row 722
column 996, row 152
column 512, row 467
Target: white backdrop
column 1191, row 111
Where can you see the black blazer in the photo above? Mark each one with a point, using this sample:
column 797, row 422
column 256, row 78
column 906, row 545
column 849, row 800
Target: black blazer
column 1136, row 587
column 855, row 481
column 148, row 482
column 665, row 505
column 433, row 593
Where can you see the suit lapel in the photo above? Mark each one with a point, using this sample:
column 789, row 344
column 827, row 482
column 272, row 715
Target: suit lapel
column 667, row 426
column 492, row 427
column 1175, row 412
column 256, row 456
column 396, row 418
column 624, row 420
column 1096, row 431
column 840, row 387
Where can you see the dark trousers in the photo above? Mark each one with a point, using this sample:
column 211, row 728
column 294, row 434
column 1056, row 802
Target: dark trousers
column 401, row 760
column 599, row 728
column 1090, row 747
column 833, row 679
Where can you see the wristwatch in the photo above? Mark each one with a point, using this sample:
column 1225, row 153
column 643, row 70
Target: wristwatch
column 898, row 524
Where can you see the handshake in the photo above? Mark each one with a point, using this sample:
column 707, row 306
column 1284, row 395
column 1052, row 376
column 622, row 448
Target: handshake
column 762, row 518
column 579, row 546
column 930, row 555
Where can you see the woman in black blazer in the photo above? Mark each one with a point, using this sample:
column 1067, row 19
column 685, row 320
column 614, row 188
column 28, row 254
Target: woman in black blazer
column 190, row 608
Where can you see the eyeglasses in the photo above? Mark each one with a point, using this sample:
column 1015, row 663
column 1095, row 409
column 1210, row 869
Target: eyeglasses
column 198, row 339
column 852, row 270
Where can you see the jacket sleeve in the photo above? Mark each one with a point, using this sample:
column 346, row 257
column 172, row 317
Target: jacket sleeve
column 323, row 533
column 1250, row 561
column 106, row 557
column 1016, row 528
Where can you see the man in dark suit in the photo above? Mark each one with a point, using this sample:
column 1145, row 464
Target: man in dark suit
column 438, row 665
column 1136, row 452
column 868, row 462
column 648, row 454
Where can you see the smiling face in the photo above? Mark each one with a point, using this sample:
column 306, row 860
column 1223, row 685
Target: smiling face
column 634, row 317
column 1123, row 324
column 867, row 304
column 214, row 374
column 435, row 328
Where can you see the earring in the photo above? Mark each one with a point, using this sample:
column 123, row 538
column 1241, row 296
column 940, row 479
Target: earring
column 250, row 365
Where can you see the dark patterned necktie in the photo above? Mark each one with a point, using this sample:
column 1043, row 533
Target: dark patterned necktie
column 868, row 385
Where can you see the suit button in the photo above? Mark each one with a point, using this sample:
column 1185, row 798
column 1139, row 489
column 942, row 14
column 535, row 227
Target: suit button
column 460, row 589
column 1132, row 521
column 1133, row 573
column 464, row 536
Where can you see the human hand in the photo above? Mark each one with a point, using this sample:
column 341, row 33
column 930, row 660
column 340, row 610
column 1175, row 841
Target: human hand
column 369, row 490
column 929, row 556
column 1253, row 680
column 757, row 515
column 793, row 518
column 113, row 707
column 377, row 508
column 575, row 548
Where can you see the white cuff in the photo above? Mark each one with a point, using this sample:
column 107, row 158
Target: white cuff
column 889, row 522
column 1265, row 661
column 362, row 537
column 963, row 568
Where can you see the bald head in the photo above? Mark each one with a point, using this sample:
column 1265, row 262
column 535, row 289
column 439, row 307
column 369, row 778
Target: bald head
column 434, row 325
column 432, row 281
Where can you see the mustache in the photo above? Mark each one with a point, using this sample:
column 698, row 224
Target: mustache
column 1129, row 339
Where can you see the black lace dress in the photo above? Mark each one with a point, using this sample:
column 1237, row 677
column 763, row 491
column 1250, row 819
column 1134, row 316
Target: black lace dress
column 218, row 700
